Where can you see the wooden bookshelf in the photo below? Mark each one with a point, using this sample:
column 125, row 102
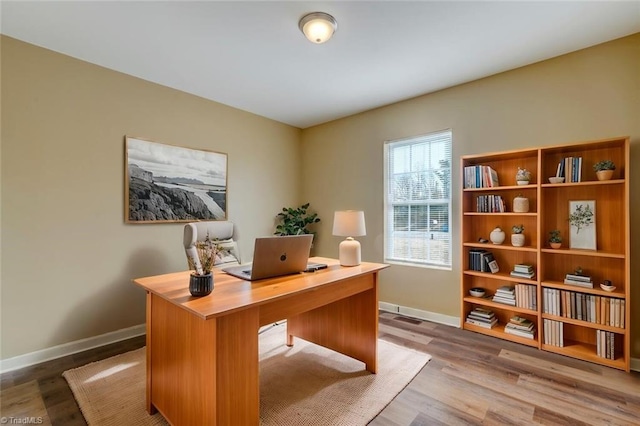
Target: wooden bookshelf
column 548, row 210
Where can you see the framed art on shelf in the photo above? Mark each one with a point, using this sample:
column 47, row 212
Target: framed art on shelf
column 582, row 221
column 166, row 183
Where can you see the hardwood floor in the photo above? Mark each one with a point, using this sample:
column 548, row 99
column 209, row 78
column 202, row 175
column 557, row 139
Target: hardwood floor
column 471, row 379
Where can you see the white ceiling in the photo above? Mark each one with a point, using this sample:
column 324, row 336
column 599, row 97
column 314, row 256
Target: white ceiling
column 252, row 56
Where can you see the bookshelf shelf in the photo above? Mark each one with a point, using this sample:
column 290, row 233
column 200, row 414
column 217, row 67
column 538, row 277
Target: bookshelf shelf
column 596, row 290
column 585, row 352
column 592, row 253
column 500, row 276
column 499, row 214
column 549, row 210
column 585, row 323
column 501, row 247
column 488, row 302
column 498, row 331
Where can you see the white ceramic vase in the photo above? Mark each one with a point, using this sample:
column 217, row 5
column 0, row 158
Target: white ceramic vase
column 497, row 236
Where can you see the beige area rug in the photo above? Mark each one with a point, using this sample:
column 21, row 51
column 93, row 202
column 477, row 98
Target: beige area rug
column 302, row 385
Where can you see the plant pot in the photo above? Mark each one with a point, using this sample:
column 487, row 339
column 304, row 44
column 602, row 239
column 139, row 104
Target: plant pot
column 497, row 236
column 555, row 245
column 517, row 240
column 604, row 174
column 200, row 285
column 522, row 182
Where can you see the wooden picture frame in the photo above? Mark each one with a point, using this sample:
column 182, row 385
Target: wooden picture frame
column 168, row 184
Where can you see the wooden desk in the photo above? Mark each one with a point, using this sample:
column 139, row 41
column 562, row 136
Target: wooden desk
column 202, row 353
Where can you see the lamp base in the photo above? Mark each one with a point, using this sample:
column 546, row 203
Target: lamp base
column 349, row 252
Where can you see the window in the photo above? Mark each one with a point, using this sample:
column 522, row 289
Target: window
column 418, row 200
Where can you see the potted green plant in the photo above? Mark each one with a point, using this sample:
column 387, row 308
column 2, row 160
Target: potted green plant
column 604, row 169
column 523, row 176
column 201, row 279
column 555, row 240
column 295, row 221
column 517, row 236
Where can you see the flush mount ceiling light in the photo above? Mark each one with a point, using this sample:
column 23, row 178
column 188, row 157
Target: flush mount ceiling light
column 318, row 27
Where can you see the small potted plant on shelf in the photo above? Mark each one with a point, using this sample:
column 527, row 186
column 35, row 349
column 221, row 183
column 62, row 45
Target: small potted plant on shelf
column 517, row 236
column 523, row 176
column 604, row 169
column 201, row 280
column 555, row 240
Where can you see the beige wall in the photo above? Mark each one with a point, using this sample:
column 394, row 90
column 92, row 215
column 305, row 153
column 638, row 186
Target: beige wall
column 67, row 256
column 590, row 94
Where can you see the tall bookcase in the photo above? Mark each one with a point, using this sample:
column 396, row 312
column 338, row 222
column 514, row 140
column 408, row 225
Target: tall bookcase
column 548, row 210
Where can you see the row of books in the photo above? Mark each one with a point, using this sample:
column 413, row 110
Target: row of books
column 505, row 294
column 482, row 317
column 480, row 177
column 490, row 204
column 570, row 168
column 606, row 344
column 526, row 296
column 483, row 261
column 579, row 280
column 519, row 326
column 585, row 307
column 522, row 270
column 553, row 333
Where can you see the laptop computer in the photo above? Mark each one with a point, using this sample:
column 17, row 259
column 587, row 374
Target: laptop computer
column 275, row 256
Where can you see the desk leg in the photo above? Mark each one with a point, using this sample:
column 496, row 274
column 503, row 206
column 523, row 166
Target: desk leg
column 150, row 408
column 203, row 372
column 348, row 326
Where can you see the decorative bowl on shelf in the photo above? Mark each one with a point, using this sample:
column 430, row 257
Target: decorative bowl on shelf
column 607, row 287
column 556, row 179
column 478, row 292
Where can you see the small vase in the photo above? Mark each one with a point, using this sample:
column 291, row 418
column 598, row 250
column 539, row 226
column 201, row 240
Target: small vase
column 555, row 245
column 520, row 204
column 604, row 174
column 201, row 285
column 517, row 240
column 497, row 236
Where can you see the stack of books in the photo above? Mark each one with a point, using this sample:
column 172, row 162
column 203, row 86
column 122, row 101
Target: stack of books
column 570, row 168
column 522, row 270
column 522, row 327
column 480, row 177
column 506, row 295
column 606, row 344
column 579, row 280
column 526, row 296
column 482, row 317
column 483, row 261
column 553, row 333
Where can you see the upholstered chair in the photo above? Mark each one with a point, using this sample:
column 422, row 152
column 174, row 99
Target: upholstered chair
column 219, row 231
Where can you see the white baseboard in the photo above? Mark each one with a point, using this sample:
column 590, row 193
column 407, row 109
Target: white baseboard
column 420, row 314
column 70, row 348
column 449, row 320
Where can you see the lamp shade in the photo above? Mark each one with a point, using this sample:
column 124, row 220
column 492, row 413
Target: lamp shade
column 318, row 27
column 349, row 223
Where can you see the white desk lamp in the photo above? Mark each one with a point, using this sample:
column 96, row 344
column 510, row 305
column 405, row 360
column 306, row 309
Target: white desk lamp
column 349, row 223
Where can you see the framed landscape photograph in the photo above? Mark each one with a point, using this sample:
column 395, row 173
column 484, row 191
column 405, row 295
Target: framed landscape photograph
column 582, row 224
column 166, row 183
